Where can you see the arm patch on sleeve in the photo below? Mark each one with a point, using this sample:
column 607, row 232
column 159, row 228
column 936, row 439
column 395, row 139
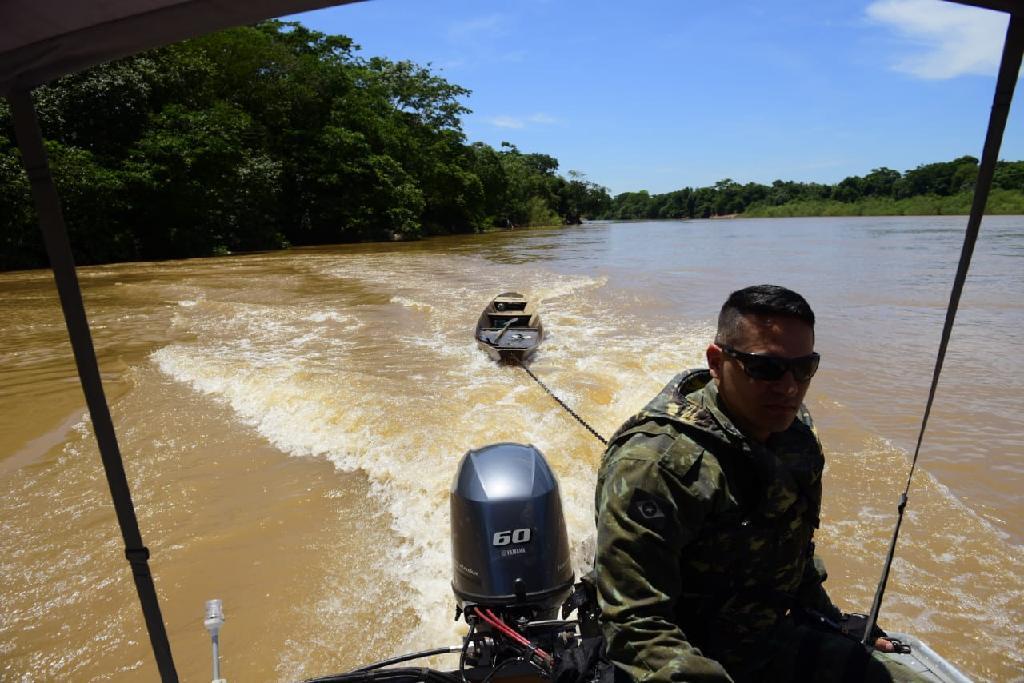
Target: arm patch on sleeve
column 648, row 510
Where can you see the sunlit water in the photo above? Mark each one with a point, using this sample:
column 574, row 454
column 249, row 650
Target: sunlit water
column 291, row 423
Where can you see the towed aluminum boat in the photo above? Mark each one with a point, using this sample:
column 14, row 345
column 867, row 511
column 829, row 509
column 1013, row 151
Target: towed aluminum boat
column 509, row 329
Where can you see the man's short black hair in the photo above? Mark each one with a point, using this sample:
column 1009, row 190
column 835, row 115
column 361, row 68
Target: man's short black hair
column 761, row 300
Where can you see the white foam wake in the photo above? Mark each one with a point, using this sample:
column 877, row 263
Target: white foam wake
column 407, row 398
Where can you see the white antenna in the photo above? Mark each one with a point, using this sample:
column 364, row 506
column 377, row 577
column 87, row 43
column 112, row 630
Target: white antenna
column 213, row 621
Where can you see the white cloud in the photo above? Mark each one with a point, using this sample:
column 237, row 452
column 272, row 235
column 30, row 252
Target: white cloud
column 954, row 40
column 542, row 119
column 506, row 122
column 476, row 28
column 521, row 122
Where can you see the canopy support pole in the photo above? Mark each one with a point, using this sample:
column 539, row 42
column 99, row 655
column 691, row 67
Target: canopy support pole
column 58, row 248
column 1009, row 67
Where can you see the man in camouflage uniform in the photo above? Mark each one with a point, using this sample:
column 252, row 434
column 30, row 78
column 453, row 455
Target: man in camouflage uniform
column 707, row 502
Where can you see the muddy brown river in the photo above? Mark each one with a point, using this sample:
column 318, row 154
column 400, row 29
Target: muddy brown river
column 291, row 423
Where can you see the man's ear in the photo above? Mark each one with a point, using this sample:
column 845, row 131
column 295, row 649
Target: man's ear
column 715, row 360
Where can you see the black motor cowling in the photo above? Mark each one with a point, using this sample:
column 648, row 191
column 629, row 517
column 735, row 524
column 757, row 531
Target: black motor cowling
column 509, row 543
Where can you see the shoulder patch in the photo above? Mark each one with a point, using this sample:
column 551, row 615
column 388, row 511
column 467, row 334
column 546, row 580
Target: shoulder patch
column 648, row 509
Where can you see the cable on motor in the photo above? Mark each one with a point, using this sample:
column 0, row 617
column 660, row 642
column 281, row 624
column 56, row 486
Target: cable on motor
column 405, row 658
column 492, row 619
column 396, row 675
column 465, row 647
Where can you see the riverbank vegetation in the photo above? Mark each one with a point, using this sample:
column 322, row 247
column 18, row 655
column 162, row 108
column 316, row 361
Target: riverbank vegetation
column 260, row 137
column 930, row 189
column 274, row 135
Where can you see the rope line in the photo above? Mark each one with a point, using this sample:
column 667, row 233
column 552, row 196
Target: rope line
column 561, row 402
column 1013, row 49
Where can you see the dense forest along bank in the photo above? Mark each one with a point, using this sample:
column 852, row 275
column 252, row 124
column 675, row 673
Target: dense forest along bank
column 291, row 422
column 260, row 137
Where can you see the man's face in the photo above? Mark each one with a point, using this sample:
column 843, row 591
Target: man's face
column 760, row 407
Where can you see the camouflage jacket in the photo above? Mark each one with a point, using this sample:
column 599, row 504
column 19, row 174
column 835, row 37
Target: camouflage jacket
column 704, row 537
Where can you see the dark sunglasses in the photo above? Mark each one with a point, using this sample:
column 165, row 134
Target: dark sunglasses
column 773, row 368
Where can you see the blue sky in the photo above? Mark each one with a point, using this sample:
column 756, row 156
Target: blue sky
column 660, row 94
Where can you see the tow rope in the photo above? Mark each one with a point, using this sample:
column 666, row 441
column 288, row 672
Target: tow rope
column 560, row 401
column 1009, row 67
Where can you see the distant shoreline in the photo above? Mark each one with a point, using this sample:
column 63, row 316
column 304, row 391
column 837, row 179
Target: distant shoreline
column 1001, row 202
column 738, row 216
column 491, row 231
column 939, row 189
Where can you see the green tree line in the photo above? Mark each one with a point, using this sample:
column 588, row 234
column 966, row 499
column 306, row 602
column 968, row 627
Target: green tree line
column 265, row 136
column 939, row 188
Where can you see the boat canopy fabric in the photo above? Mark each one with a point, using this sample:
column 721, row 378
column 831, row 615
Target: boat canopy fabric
column 41, row 40
column 1011, row 6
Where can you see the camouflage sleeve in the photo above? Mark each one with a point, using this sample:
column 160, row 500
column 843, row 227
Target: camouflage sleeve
column 645, row 515
column 812, row 593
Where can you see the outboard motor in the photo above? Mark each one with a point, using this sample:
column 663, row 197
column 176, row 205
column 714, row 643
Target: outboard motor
column 510, row 550
column 510, row 555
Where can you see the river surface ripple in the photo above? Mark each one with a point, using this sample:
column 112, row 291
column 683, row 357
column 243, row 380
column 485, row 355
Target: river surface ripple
column 291, row 423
